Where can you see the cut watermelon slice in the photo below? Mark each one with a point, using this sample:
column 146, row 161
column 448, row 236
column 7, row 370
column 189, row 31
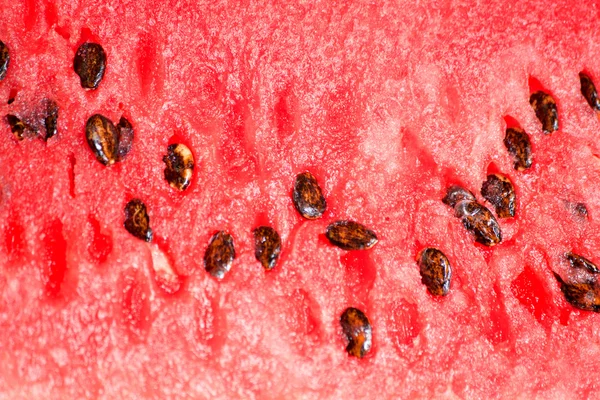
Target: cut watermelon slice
column 387, row 105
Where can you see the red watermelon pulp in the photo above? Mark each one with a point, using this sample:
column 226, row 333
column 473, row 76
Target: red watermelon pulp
column 386, row 103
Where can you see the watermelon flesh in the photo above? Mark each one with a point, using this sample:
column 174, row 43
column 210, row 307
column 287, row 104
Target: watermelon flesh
column 386, row 105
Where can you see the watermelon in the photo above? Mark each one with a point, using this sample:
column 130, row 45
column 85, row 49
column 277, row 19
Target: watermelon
column 152, row 274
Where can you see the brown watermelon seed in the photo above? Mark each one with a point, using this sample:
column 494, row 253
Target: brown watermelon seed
column 455, row 194
column 89, row 64
column 267, row 246
column 350, row 235
column 582, row 295
column 588, row 90
column 519, row 146
column 125, row 138
column 499, row 191
column 578, row 261
column 4, row 60
column 308, row 197
column 580, row 210
column 358, row 332
column 137, row 221
column 545, row 110
column 435, row 271
column 16, row 126
column 179, row 163
column 480, row 222
column 103, row 138
column 51, row 118
column 219, row 255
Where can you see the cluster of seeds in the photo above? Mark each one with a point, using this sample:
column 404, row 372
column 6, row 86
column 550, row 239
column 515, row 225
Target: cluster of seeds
column 582, row 290
column 476, row 218
column 108, row 142
column 111, row 143
column 347, row 235
column 42, row 123
column 498, row 190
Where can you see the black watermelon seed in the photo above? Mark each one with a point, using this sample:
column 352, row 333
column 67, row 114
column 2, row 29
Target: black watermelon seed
column 137, row 221
column 455, row 194
column 545, row 110
column 179, row 168
column 17, row 126
column 358, row 332
column 588, row 90
column 519, row 146
column 50, row 118
column 480, row 222
column 219, row 255
column 578, row 261
column 4, row 60
column 350, row 235
column 103, row 138
column 583, row 295
column 89, row 64
column 499, row 191
column 125, row 138
column 308, row 197
column 267, row 246
column 435, row 271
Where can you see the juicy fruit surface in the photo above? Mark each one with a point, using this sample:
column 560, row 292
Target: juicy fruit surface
column 387, row 105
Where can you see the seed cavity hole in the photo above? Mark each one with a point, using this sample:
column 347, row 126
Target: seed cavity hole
column 72, row 162
column 12, row 95
column 165, row 276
